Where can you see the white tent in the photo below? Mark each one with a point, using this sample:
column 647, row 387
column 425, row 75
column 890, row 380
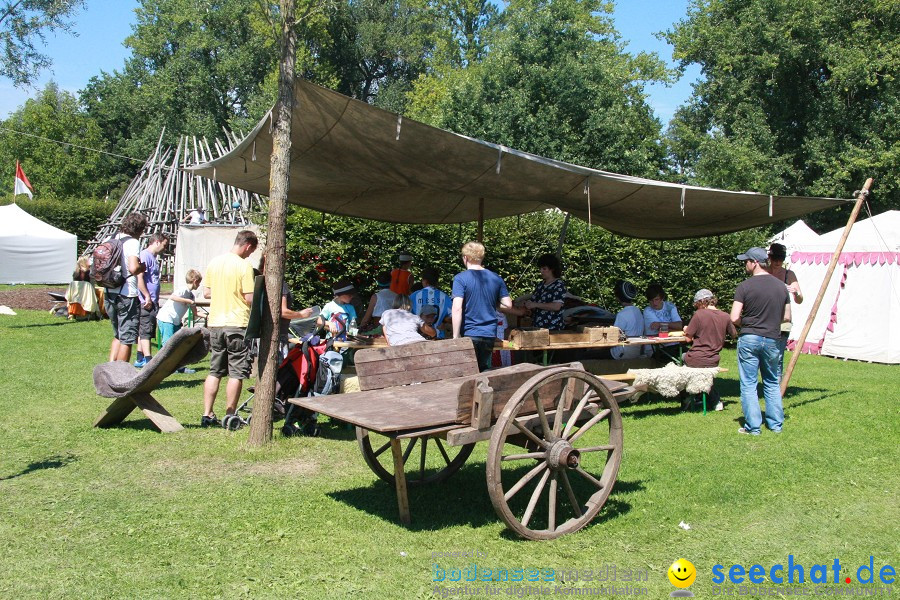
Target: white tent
column 32, row 251
column 795, row 236
column 860, row 313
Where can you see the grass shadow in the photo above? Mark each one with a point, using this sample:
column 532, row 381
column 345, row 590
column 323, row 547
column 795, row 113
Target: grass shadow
column 63, row 322
column 52, row 462
column 463, row 499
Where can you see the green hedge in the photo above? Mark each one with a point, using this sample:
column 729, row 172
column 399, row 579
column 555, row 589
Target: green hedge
column 323, row 248
column 80, row 216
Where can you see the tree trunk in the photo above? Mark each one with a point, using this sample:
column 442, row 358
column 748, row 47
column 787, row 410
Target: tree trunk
column 279, row 184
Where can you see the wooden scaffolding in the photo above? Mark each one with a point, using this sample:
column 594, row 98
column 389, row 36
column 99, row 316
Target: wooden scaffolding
column 165, row 192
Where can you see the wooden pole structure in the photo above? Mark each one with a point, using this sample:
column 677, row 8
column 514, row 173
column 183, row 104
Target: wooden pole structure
column 279, row 184
column 798, row 348
column 480, row 237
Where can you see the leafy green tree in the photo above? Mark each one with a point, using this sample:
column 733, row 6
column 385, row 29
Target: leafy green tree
column 194, row 69
column 375, row 49
column 24, row 24
column 556, row 81
column 51, row 135
column 798, row 97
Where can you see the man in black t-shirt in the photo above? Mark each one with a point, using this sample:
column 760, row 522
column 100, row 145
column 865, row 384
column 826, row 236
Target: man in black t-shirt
column 761, row 304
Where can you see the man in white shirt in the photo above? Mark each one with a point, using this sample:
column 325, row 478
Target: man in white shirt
column 122, row 303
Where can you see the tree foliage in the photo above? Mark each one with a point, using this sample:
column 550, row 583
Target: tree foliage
column 23, row 27
column 798, row 97
column 557, row 82
column 57, row 170
column 195, row 68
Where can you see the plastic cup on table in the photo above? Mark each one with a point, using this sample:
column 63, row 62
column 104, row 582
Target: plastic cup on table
column 663, row 330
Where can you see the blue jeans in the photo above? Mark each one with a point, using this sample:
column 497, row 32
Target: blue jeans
column 782, row 346
column 760, row 355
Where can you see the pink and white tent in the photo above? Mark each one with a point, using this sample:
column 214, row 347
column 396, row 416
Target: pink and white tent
column 860, row 313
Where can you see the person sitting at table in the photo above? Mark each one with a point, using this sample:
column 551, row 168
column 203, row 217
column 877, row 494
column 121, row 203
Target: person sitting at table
column 403, row 327
column 429, row 314
column 630, row 321
column 547, row 300
column 381, row 300
column 660, row 311
column 82, row 269
column 707, row 329
column 287, row 313
column 661, row 314
column 430, row 294
column 337, row 315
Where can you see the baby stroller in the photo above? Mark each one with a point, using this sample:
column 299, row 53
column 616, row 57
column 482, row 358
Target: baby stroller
column 311, row 368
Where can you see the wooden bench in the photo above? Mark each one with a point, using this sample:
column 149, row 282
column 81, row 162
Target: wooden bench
column 131, row 387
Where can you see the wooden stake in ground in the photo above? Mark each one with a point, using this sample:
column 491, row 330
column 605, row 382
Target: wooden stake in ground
column 798, row 348
column 279, row 184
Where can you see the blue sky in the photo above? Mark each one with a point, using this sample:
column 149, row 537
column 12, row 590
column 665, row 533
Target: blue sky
column 104, row 25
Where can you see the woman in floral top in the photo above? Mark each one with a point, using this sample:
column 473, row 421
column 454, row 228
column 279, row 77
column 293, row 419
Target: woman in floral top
column 547, row 300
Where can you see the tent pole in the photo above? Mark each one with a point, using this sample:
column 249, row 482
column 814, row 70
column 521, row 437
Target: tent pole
column 798, row 348
column 480, row 238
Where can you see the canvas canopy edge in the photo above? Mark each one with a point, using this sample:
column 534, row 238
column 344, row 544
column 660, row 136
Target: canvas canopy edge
column 353, row 159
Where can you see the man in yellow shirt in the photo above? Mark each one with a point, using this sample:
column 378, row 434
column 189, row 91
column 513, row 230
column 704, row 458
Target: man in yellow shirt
column 229, row 286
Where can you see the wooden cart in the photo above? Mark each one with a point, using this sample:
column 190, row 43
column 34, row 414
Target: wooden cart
column 555, row 433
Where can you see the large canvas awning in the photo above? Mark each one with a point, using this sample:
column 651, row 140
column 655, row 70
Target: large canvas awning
column 351, row 158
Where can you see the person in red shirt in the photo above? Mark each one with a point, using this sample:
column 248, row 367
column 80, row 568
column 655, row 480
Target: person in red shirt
column 707, row 330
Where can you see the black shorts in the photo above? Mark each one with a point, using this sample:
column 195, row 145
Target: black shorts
column 147, row 327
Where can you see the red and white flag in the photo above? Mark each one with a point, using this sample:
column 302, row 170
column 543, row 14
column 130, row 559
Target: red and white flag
column 23, row 186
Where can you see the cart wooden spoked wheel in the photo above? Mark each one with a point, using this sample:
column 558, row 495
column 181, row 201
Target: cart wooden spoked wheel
column 550, row 471
column 428, row 459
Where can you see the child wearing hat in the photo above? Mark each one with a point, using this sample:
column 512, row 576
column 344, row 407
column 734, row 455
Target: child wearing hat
column 337, row 315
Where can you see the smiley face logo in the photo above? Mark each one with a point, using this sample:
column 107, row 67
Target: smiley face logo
column 682, row 573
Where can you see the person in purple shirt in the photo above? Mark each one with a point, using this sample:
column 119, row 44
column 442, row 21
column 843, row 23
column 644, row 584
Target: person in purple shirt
column 477, row 293
column 149, row 306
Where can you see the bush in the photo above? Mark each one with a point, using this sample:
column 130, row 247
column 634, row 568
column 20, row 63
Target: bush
column 323, row 248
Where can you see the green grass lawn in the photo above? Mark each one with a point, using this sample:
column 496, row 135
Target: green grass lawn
column 129, row 512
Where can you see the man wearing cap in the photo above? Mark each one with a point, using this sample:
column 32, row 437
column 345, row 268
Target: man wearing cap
column 430, row 295
column 401, row 277
column 777, row 256
column 630, row 320
column 337, row 315
column 229, row 286
column 707, row 330
column 477, row 294
column 761, row 305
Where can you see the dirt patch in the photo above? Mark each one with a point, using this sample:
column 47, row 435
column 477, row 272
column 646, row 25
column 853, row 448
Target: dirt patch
column 29, row 298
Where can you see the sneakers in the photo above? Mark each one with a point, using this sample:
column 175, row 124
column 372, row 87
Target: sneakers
column 745, row 431
column 209, row 421
column 141, row 363
column 720, row 406
column 186, row 370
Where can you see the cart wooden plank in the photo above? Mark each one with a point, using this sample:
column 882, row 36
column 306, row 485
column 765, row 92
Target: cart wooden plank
column 417, row 406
